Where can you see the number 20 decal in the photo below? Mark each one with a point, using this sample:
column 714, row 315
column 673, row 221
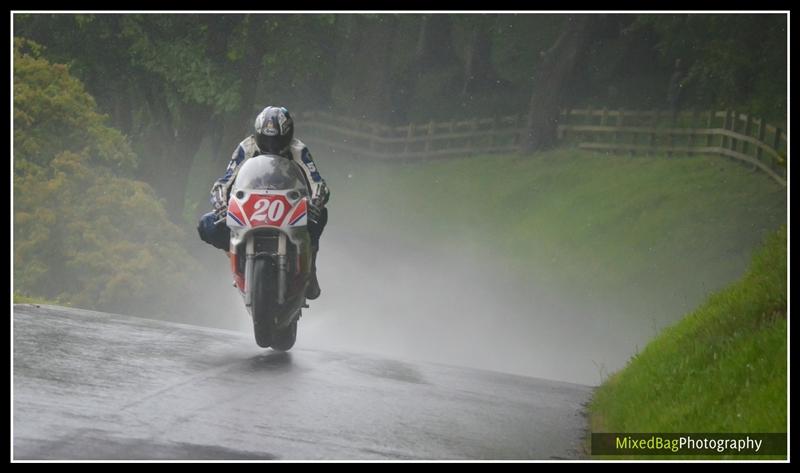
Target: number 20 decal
column 268, row 210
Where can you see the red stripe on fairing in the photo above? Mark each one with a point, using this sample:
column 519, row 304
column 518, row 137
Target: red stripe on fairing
column 237, row 276
column 234, row 209
column 299, row 211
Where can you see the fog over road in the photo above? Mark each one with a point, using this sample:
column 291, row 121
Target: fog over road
column 89, row 385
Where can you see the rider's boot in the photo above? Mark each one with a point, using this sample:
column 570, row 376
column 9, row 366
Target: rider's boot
column 312, row 290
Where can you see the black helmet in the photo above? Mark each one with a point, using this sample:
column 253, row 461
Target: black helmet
column 274, row 130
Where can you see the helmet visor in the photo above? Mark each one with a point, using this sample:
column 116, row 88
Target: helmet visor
column 272, row 144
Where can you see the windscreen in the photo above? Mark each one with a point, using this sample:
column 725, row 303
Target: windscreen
column 272, row 173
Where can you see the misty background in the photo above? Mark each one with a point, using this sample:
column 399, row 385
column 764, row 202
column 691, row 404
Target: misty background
column 123, row 122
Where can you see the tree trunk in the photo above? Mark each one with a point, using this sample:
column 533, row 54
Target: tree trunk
column 237, row 125
column 478, row 70
column 170, row 144
column 372, row 90
column 178, row 162
column 554, row 72
column 435, row 43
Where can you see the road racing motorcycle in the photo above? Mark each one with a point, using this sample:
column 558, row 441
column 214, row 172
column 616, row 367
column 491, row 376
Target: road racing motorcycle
column 270, row 247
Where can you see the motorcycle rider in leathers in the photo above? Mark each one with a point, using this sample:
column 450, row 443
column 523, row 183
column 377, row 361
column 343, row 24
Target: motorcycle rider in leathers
column 274, row 134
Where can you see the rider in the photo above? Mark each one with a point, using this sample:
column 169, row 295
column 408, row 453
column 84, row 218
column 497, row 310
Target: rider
column 274, row 135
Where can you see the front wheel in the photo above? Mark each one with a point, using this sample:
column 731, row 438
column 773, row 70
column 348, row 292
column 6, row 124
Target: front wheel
column 283, row 339
column 262, row 308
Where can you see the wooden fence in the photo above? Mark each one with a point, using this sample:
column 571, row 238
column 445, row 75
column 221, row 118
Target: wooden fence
column 726, row 133
column 414, row 141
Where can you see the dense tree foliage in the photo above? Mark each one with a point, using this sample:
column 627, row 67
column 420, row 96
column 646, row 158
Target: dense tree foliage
column 730, row 61
column 171, row 81
column 85, row 233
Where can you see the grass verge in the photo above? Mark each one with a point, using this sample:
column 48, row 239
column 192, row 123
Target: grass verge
column 721, row 369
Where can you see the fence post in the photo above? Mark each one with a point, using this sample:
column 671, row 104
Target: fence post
column 737, row 143
column 615, row 133
column 709, row 127
column 776, row 143
column 745, row 144
column 472, row 139
column 670, row 126
column 428, row 139
column 731, row 126
column 692, row 124
column 409, row 135
column 725, row 125
column 669, row 138
column 446, row 143
column 634, row 135
column 734, row 126
column 493, row 135
column 582, row 135
column 760, row 136
column 654, row 125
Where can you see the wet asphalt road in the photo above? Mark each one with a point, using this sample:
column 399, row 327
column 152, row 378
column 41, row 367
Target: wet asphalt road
column 89, row 385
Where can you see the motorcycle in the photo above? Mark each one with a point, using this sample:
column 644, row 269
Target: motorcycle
column 270, row 247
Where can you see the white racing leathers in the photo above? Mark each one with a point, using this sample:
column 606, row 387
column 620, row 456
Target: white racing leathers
column 248, row 149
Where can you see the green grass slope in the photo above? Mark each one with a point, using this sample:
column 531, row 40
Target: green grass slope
column 651, row 236
column 721, row 369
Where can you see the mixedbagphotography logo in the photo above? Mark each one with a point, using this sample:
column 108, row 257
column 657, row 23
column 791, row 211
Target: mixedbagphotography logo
column 689, row 444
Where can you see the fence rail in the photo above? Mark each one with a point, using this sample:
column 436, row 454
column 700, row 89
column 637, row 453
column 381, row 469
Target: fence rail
column 724, row 133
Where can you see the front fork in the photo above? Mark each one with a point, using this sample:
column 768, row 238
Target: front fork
column 280, row 262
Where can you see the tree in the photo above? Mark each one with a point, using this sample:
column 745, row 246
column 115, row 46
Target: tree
column 364, row 78
column 170, row 81
column 732, row 60
column 84, row 232
column 479, row 72
column 552, row 74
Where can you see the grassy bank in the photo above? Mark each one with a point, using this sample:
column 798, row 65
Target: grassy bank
column 650, row 236
column 23, row 299
column 721, row 369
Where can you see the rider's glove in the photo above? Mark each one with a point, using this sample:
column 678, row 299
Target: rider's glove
column 218, row 199
column 314, row 213
column 323, row 195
